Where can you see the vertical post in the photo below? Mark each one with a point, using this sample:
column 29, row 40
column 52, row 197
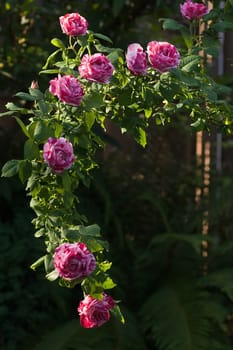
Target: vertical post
column 220, row 71
column 203, row 161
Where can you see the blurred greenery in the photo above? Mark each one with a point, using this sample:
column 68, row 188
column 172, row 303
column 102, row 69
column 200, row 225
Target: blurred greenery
column 144, row 200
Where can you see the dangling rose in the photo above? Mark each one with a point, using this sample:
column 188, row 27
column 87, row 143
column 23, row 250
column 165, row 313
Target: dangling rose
column 58, row 154
column 95, row 312
column 73, row 260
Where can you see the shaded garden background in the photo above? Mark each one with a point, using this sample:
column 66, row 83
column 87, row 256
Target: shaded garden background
column 145, row 201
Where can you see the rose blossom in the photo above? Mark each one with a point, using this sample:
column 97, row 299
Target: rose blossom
column 95, row 312
column 58, row 153
column 73, row 24
column 191, row 10
column 136, row 59
column 96, row 68
column 162, row 55
column 68, row 89
column 73, row 260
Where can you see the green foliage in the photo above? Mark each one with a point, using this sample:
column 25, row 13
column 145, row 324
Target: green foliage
column 190, row 316
column 180, row 305
column 110, row 336
column 27, row 300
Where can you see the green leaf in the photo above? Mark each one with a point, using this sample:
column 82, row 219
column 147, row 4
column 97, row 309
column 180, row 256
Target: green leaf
column 72, row 234
column 58, row 129
column 102, row 48
column 31, row 150
column 42, row 132
column 103, row 37
column 10, row 168
column 49, row 71
column 93, row 244
column 36, row 93
column 5, row 114
column 141, row 137
column 49, row 60
column 171, row 24
column 198, row 124
column 41, row 232
column 184, row 77
column 222, row 26
column 108, row 283
column 66, row 181
column 90, row 119
column 25, row 96
column 25, row 170
column 187, row 38
column 52, row 276
column 13, row 107
column 44, row 107
column 189, row 63
column 105, row 266
column 83, row 42
column 148, row 112
column 69, row 284
column 93, row 100
column 38, row 262
column 114, row 56
column 116, row 311
column 48, row 263
column 57, row 43
column 92, row 230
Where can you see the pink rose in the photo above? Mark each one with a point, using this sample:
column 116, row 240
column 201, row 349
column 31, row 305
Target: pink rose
column 136, row 59
column 163, row 56
column 73, row 24
column 68, row 89
column 191, row 10
column 96, row 68
column 95, row 312
column 73, row 260
column 58, row 153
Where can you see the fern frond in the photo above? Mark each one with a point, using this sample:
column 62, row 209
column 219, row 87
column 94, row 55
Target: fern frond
column 194, row 240
column 222, row 280
column 179, row 320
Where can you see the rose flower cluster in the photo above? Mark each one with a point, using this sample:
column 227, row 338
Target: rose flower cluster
column 162, row 56
column 73, row 261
